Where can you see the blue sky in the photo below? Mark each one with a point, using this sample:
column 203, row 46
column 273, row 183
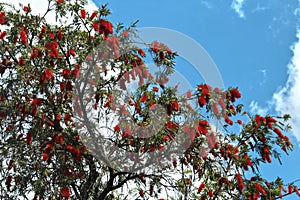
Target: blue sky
column 254, row 44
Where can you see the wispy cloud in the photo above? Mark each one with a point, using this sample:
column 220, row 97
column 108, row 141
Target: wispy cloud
column 207, row 4
column 287, row 99
column 237, row 6
column 257, row 109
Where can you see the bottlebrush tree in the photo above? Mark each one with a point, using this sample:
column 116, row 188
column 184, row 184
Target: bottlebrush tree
column 67, row 110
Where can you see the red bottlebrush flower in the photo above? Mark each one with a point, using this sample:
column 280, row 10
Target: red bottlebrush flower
column 52, row 47
column 117, row 128
column 204, row 89
column 105, row 28
column 83, row 14
column 58, row 117
column 240, row 182
column 278, row 132
column 175, row 105
column 23, row 37
column 72, row 52
column 65, row 192
column 155, row 89
column 142, row 194
column 203, row 127
column 2, row 18
column 66, row 73
column 144, row 98
column 37, row 101
column 25, row 8
column 29, row 138
column 201, row 101
column 215, row 108
column 235, row 93
column 48, row 74
column 59, row 1
column 210, row 193
column 51, row 35
column 21, row 62
column 174, row 162
column 96, row 26
column 239, row 122
column 8, row 181
column 290, row 189
column 94, row 14
column 200, row 188
column 260, row 189
column 59, row 34
column 270, row 120
column 3, row 34
column 228, row 120
column 141, row 52
column 45, row 157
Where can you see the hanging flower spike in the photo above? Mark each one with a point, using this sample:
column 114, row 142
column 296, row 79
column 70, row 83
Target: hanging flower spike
column 105, row 28
column 83, row 14
column 240, row 182
column 2, row 18
column 94, row 14
column 65, row 192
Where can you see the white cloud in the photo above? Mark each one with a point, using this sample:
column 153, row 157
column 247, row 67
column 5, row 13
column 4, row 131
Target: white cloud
column 287, row 99
column 257, row 109
column 237, row 6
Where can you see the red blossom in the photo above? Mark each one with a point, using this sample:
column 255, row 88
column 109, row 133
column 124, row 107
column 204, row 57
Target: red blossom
column 29, row 138
column 279, row 133
column 260, row 189
column 72, row 52
column 83, row 14
column 141, row 52
column 37, row 101
column 290, row 189
column 105, row 28
column 51, row 35
column 23, row 37
column 240, row 182
column 144, row 98
column 228, row 120
column 203, row 127
column 66, row 73
column 59, row 34
column 3, row 34
column 235, row 93
column 175, row 105
column 45, row 156
column 155, row 89
column 2, row 18
column 200, row 188
column 48, row 74
column 65, row 192
column 202, row 101
column 59, row 1
column 117, row 128
column 52, row 47
column 94, row 14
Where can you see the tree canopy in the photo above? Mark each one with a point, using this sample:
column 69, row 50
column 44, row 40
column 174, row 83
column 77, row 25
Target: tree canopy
column 82, row 116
